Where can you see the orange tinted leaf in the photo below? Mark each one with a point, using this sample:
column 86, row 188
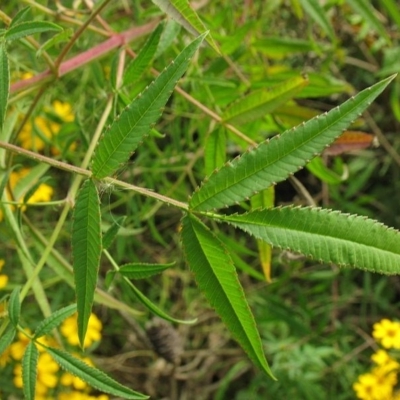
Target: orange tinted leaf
column 349, row 141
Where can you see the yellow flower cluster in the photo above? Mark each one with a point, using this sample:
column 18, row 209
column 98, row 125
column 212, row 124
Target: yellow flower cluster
column 380, row 382
column 93, row 334
column 34, row 135
column 43, row 193
column 3, row 278
column 49, row 379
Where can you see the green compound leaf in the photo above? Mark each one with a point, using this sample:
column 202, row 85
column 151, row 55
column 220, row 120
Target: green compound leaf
column 14, row 307
column 326, row 236
column 4, row 83
column 29, row 370
column 216, row 276
column 261, row 102
column 24, row 29
column 143, row 60
column 128, row 130
column 273, row 161
column 181, row 12
column 48, row 324
column 94, row 377
column 86, row 251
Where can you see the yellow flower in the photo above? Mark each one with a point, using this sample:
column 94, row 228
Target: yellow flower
column 17, row 349
column 4, row 358
column 35, row 139
column 387, row 333
column 46, row 377
column 93, row 334
column 383, row 359
column 63, row 110
column 3, row 278
column 35, row 136
column 370, row 386
column 43, row 193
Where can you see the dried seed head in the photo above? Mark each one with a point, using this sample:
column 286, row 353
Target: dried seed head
column 165, row 339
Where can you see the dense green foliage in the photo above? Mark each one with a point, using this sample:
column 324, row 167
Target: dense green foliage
column 176, row 181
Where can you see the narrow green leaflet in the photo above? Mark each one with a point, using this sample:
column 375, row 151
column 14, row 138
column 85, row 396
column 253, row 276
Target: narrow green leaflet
column 392, row 8
column 63, row 36
column 94, row 377
column 48, row 324
column 7, row 338
column 261, row 102
column 314, row 9
column 181, row 12
column 143, row 60
column 326, row 235
column 4, row 83
column 216, row 276
column 112, row 232
column 321, row 171
column 274, row 160
column 24, row 29
column 29, row 370
column 21, row 16
column 142, row 270
column 264, row 199
column 14, row 307
column 135, row 122
column 137, row 271
column 154, row 309
column 86, row 250
column 215, row 150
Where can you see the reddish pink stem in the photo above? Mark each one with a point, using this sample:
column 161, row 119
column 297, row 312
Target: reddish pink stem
column 116, row 40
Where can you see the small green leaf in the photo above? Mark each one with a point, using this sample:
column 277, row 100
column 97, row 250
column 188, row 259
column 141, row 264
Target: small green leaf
column 264, row 199
column 29, row 370
column 24, row 29
column 215, row 150
column 325, row 235
column 321, row 171
column 216, row 276
column 94, row 377
column 4, row 83
column 275, row 160
column 61, row 37
column 128, row 130
column 143, row 60
column 48, row 324
column 86, row 251
column 170, row 33
column 7, row 338
column 112, row 232
column 14, row 307
column 142, row 270
column 21, row 16
column 259, row 103
column 181, row 12
column 154, row 309
column 314, row 9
